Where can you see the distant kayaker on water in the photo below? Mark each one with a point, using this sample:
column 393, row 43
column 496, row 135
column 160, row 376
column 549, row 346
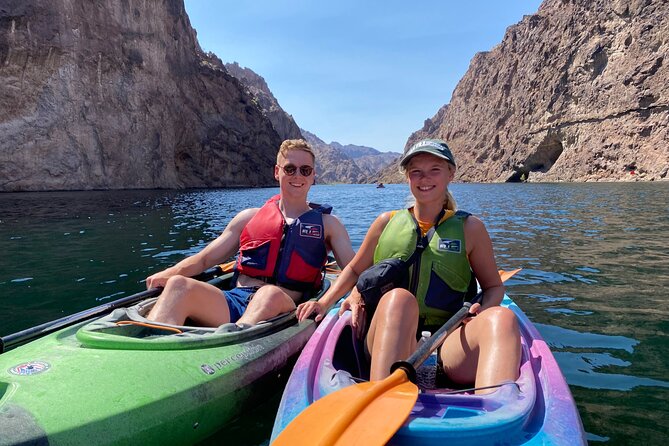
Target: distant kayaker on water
column 282, row 249
column 484, row 351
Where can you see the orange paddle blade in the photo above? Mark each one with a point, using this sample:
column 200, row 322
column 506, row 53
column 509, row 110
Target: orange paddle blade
column 227, row 267
column 332, row 268
column 505, row 275
column 363, row 414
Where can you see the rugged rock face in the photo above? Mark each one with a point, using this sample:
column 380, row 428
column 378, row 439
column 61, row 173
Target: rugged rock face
column 333, row 165
column 577, row 92
column 114, row 94
column 283, row 122
column 390, row 174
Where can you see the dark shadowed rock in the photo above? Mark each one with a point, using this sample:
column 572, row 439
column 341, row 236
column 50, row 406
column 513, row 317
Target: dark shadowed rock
column 283, row 123
column 110, row 95
column 577, row 92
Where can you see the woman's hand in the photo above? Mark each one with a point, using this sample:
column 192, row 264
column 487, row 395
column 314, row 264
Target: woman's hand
column 306, row 309
column 473, row 311
column 356, row 304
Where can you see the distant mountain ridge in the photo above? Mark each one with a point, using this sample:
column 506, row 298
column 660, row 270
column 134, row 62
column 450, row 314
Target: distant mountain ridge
column 337, row 163
column 369, row 159
column 355, row 151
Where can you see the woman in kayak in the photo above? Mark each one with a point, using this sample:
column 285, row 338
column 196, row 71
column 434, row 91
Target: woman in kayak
column 282, row 249
column 486, row 349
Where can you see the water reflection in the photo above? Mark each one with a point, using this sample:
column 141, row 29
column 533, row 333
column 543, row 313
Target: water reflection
column 581, row 370
column 559, row 338
column 595, row 276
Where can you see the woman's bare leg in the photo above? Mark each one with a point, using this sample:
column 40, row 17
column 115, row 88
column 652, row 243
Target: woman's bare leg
column 392, row 332
column 485, row 351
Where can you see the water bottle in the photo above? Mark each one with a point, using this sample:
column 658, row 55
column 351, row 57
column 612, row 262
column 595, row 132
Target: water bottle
column 424, row 336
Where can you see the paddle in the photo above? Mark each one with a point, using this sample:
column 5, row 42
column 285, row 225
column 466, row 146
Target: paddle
column 370, row 413
column 29, row 334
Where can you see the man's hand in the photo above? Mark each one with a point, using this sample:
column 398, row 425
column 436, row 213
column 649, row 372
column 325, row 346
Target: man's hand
column 157, row 280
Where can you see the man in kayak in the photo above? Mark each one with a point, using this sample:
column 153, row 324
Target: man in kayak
column 456, row 250
column 282, row 249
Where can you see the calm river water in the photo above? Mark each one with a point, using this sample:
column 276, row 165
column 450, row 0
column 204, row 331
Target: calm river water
column 595, row 278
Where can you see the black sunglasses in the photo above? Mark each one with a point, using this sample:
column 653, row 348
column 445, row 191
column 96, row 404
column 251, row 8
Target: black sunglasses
column 291, row 169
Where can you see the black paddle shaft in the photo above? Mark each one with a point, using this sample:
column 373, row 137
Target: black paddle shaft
column 423, row 352
column 29, row 334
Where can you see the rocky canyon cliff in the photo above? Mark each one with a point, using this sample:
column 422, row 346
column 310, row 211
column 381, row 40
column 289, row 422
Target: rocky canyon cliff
column 283, row 123
column 335, row 163
column 116, row 94
column 577, row 92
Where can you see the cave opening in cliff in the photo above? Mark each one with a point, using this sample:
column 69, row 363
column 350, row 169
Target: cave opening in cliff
column 519, row 175
column 541, row 160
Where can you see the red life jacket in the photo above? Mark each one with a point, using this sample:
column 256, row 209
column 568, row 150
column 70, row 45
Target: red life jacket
column 289, row 255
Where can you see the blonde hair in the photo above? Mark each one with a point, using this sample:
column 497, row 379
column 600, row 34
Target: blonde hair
column 449, row 201
column 294, row 144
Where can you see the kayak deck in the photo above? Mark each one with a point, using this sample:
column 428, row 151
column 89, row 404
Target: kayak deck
column 103, row 383
column 536, row 408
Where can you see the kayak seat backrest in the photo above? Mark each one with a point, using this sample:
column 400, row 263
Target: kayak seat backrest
column 137, row 314
column 110, row 324
column 349, row 354
column 230, row 327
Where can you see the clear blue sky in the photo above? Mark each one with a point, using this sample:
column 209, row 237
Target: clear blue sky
column 356, row 72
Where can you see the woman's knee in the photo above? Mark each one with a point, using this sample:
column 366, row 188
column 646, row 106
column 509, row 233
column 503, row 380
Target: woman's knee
column 500, row 320
column 398, row 303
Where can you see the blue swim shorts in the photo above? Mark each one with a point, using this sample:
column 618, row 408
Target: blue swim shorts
column 238, row 299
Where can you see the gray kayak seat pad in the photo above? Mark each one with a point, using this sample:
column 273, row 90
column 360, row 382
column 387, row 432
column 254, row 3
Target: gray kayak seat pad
column 136, row 313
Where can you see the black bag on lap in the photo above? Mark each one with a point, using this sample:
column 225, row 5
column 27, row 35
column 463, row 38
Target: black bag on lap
column 389, row 274
column 382, row 277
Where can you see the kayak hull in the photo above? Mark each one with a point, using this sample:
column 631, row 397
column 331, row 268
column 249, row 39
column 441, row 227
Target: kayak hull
column 93, row 384
column 538, row 408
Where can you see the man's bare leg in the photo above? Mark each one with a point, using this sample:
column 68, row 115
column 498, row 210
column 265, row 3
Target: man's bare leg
column 185, row 298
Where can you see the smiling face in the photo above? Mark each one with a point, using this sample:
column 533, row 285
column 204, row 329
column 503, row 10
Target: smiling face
column 297, row 184
column 429, row 177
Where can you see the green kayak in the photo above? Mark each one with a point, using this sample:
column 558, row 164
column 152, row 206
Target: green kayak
column 115, row 380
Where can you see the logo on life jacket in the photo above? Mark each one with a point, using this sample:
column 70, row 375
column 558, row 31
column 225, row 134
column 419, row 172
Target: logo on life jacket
column 449, row 245
column 311, row 230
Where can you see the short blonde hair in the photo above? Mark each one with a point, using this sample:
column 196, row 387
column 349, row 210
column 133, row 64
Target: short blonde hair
column 294, row 144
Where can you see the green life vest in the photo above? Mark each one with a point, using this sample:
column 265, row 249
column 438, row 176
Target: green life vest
column 441, row 278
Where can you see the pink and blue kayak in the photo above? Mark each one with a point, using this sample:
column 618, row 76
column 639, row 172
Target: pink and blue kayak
column 537, row 408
